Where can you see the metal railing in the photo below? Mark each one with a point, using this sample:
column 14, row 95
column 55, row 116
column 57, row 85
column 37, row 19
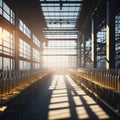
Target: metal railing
column 11, row 80
column 102, row 84
column 108, row 78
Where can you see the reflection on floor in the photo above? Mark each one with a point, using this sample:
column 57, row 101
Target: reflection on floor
column 59, row 107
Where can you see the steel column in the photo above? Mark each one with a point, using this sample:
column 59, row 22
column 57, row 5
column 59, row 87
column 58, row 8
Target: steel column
column 84, row 50
column 110, row 35
column 93, row 37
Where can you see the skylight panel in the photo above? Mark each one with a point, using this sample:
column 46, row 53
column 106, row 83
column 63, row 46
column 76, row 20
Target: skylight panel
column 60, row 14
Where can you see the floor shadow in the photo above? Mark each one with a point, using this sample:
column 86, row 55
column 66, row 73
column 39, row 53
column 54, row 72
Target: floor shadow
column 58, row 98
column 32, row 104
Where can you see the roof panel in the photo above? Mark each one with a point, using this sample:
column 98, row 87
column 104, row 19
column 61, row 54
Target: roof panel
column 61, row 14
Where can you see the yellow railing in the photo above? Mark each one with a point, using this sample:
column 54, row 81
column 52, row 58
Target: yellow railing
column 105, row 78
column 10, row 81
column 103, row 84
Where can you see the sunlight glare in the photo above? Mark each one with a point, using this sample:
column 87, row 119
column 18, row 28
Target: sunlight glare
column 59, row 91
column 82, row 113
column 59, row 95
column 60, row 87
column 59, row 99
column 89, row 100
column 59, row 105
column 80, row 92
column 59, row 114
column 3, row 108
column 99, row 112
column 77, row 100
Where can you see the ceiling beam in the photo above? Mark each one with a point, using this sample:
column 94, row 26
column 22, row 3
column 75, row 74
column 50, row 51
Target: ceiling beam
column 71, row 39
column 47, row 30
column 61, row 33
column 59, row 54
column 60, row 11
column 62, row 6
column 50, row 16
column 61, row 2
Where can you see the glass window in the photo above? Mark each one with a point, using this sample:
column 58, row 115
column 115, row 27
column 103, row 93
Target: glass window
column 24, row 49
column 0, row 11
column 6, row 48
column 101, row 47
column 24, row 65
column 36, row 65
column 60, row 54
column 6, row 8
column 36, row 55
column 7, row 44
column 24, row 29
column 1, row 39
column 12, row 19
column 6, row 11
column 61, row 33
column 0, row 7
column 117, row 38
column 6, row 64
column 8, row 14
column 36, row 40
column 57, row 17
column 0, row 3
column 60, row 61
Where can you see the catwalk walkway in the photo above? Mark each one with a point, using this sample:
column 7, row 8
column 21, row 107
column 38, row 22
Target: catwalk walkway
column 58, row 98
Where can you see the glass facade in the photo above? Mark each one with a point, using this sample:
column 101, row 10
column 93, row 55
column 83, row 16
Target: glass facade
column 6, row 12
column 36, row 40
column 117, row 39
column 61, row 33
column 23, row 28
column 24, row 65
column 101, row 47
column 36, row 55
column 10, row 43
column 60, row 54
column 88, row 53
column 36, row 65
column 7, row 48
column 24, row 49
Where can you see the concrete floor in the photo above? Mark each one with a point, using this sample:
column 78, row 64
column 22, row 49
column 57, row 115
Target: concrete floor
column 57, row 98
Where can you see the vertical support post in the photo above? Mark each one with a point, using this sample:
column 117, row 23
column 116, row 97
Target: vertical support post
column 78, row 56
column 16, row 43
column 84, row 50
column 41, row 54
column 93, row 36
column 110, row 35
column 78, row 52
column 80, row 42
column 16, row 48
column 32, row 63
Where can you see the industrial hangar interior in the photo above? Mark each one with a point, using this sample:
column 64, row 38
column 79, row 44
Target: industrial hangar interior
column 59, row 60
